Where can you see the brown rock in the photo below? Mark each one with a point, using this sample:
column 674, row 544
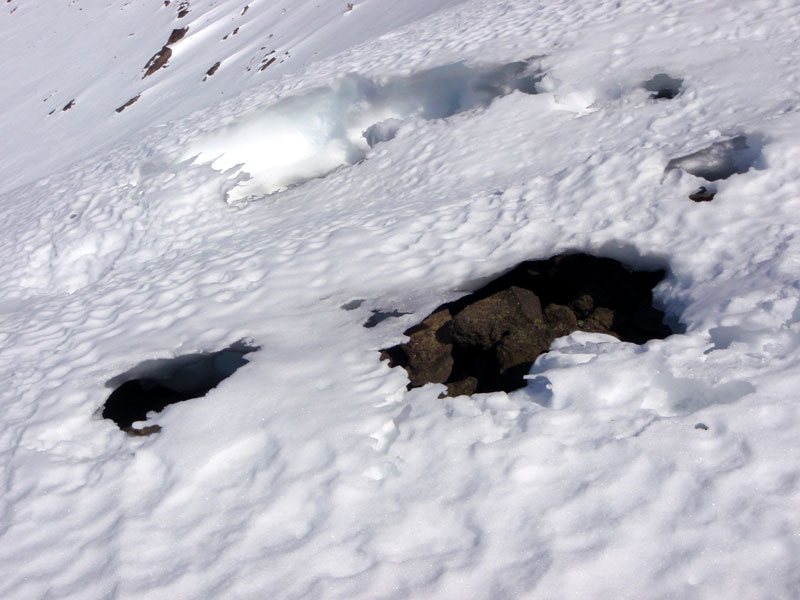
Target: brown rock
column 427, row 356
column 212, row 70
column 144, row 431
column 177, row 35
column 268, row 63
column 582, row 306
column 157, row 61
column 128, row 103
column 462, row 387
column 560, row 318
column 702, row 195
column 522, row 347
column 600, row 321
column 485, row 322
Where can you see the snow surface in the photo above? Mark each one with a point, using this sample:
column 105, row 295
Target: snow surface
column 668, row 470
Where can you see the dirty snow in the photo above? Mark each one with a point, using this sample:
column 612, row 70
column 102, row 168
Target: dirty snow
column 667, row 470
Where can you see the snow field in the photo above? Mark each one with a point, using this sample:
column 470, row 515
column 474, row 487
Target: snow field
column 312, row 472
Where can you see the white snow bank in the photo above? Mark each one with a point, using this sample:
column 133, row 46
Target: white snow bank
column 308, row 136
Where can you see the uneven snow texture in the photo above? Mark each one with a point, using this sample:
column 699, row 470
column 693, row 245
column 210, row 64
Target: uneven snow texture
column 663, row 471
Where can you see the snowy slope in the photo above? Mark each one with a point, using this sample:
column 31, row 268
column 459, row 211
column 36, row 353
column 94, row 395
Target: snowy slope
column 312, row 472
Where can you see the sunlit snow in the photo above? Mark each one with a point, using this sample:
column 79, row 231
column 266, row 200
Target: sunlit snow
column 308, row 136
column 392, row 158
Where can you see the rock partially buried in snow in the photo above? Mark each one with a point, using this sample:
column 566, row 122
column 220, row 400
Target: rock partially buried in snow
column 703, row 194
column 487, row 341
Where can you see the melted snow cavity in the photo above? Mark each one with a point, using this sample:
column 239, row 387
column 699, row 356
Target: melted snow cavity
column 663, row 87
column 155, row 384
column 308, row 136
column 488, row 341
column 722, row 159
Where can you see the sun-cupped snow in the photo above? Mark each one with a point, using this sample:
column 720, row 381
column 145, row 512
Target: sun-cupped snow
column 299, row 138
column 368, row 174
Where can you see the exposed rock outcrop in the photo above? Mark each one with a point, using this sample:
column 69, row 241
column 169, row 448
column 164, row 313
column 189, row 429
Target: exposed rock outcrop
column 487, row 341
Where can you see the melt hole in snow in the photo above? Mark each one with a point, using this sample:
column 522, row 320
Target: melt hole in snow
column 155, row 384
column 722, row 159
column 308, row 136
column 379, row 316
column 488, row 340
column 663, row 86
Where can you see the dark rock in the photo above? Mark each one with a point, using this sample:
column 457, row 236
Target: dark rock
column 487, row 321
column 522, row 346
column 212, row 70
column 582, row 306
column 702, row 195
column 128, row 103
column 488, row 340
column 600, row 321
column 157, row 61
column 462, row 387
column 560, row 319
column 427, row 356
column 176, row 35
column 266, row 64
column 144, row 431
column 68, row 105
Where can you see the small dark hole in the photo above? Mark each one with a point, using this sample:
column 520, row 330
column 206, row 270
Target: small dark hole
column 663, row 86
column 379, row 316
column 353, row 304
column 155, row 384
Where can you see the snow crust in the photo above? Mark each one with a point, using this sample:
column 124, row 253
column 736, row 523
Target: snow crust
column 666, row 470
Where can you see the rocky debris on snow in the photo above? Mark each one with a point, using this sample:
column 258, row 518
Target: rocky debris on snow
column 721, row 159
column 157, row 61
column 183, row 9
column 267, row 62
column 245, row 9
column 703, row 194
column 68, row 105
column 663, row 86
column 128, row 103
column 154, row 385
column 212, row 70
column 176, row 35
column 160, row 59
column 488, row 340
